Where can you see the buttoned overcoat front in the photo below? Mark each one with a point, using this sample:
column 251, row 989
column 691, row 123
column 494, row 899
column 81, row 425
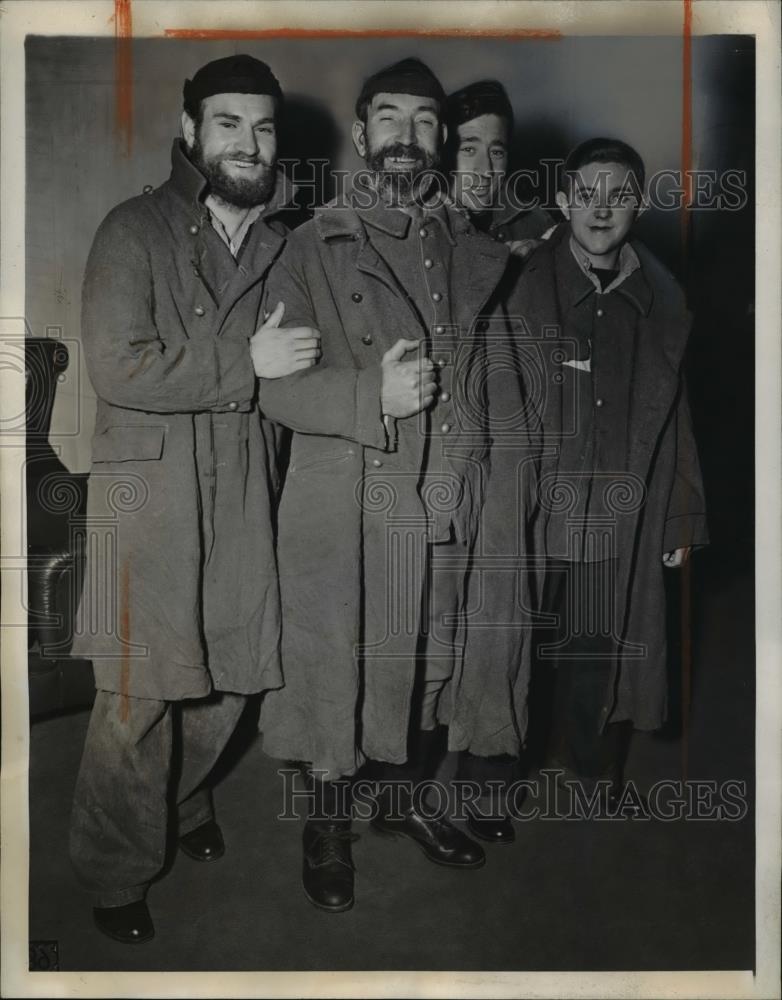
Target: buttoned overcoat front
column 181, row 592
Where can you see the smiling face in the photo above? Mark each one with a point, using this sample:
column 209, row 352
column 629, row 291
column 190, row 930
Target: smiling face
column 481, row 161
column 601, row 206
column 400, row 141
column 235, row 146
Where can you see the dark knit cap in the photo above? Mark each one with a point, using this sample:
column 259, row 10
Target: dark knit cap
column 486, row 97
column 410, row 76
column 233, row 75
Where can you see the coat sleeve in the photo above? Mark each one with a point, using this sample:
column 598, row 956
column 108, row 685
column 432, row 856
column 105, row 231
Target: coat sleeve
column 327, row 399
column 685, row 523
column 128, row 358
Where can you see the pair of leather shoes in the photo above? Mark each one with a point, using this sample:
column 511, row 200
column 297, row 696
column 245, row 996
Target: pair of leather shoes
column 440, row 841
column 130, row 924
column 205, row 843
column 492, row 829
column 328, row 870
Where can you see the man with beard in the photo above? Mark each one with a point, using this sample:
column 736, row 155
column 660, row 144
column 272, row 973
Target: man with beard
column 382, row 495
column 184, row 475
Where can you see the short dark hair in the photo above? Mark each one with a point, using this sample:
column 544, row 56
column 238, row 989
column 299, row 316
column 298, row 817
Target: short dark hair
column 486, row 97
column 604, row 151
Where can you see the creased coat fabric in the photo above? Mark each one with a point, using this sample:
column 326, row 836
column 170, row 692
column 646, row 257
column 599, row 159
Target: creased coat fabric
column 181, row 591
column 659, row 501
column 352, row 528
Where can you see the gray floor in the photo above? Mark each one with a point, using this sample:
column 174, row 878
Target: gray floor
column 568, row 895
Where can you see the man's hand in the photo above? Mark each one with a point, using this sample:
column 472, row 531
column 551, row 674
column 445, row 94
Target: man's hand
column 280, row 351
column 408, row 386
column 677, row 558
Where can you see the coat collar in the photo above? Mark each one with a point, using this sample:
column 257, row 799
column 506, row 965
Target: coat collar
column 349, row 214
column 191, row 184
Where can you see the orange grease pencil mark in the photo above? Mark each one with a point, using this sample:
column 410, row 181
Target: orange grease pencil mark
column 685, row 582
column 238, row 34
column 686, row 121
column 123, row 71
column 124, row 638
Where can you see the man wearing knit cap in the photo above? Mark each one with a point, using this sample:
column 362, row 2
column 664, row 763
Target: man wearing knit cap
column 382, row 496
column 173, row 294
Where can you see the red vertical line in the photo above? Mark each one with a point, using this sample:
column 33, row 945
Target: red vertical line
column 686, row 153
column 685, row 578
column 123, row 72
column 124, row 638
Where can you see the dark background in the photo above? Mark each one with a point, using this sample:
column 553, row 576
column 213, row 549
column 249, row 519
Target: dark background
column 682, row 896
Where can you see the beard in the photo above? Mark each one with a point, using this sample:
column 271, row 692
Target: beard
column 242, row 192
column 406, row 184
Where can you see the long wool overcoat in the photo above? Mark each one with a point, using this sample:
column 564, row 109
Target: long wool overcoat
column 351, row 520
column 658, row 498
column 181, row 592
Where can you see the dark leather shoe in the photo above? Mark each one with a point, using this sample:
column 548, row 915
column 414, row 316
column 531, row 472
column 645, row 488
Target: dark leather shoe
column 440, row 841
column 130, row 924
column 205, row 843
column 328, row 870
column 493, row 829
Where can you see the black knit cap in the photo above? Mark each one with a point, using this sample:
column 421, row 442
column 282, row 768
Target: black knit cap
column 486, row 97
column 233, row 75
column 410, row 76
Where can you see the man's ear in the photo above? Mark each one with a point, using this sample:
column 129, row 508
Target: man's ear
column 188, row 130
column 359, row 133
column 444, row 133
column 562, row 204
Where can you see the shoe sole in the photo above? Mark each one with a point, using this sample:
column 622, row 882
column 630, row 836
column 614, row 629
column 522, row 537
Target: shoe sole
column 200, row 857
column 491, row 840
column 394, row 834
column 330, row 909
column 124, row 940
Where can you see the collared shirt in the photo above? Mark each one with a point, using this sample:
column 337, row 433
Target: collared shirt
column 627, row 263
column 234, row 243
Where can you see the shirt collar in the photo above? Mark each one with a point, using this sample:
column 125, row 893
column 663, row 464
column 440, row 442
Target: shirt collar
column 234, row 244
column 630, row 280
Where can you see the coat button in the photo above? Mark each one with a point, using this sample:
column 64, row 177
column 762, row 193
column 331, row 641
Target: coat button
column 377, row 463
column 428, row 262
column 600, row 312
column 366, row 339
column 148, row 189
column 445, row 428
column 194, row 229
column 436, row 296
column 444, row 397
column 598, row 402
column 423, row 233
column 232, row 406
column 439, row 330
column 199, row 310
column 482, row 325
column 441, row 362
column 357, row 296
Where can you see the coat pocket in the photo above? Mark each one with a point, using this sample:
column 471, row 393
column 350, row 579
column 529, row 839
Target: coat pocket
column 128, row 443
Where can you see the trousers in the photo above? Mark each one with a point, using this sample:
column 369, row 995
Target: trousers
column 139, row 757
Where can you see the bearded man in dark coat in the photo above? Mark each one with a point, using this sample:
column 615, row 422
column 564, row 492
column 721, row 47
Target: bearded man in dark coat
column 182, row 486
column 383, row 492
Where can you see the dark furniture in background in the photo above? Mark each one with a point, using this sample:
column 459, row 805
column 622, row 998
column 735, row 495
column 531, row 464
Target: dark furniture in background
column 56, row 503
